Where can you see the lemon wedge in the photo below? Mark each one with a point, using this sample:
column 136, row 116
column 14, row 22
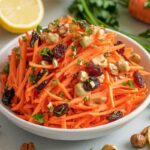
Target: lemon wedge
column 148, row 134
column 19, row 16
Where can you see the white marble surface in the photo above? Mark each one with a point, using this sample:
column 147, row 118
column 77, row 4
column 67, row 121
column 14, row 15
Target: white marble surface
column 11, row 136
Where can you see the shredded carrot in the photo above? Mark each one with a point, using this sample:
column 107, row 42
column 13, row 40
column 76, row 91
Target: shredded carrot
column 65, row 84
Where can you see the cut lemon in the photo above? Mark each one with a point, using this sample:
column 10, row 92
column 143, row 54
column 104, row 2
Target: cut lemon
column 148, row 135
column 19, row 16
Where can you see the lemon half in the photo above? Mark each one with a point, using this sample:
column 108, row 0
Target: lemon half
column 19, row 16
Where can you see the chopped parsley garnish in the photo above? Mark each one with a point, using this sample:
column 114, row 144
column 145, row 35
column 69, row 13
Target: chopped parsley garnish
column 86, row 26
column 79, row 62
column 86, row 99
column 131, row 84
column 45, row 30
column 74, row 48
column 45, row 52
column 39, row 29
column 39, row 118
column 124, row 83
column 24, row 38
column 6, row 68
column 55, row 81
column 32, row 77
column 17, row 51
column 56, row 22
column 62, row 95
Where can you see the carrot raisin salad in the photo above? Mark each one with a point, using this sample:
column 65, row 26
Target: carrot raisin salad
column 72, row 75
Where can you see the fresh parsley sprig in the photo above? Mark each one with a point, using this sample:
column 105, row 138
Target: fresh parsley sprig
column 91, row 11
column 39, row 118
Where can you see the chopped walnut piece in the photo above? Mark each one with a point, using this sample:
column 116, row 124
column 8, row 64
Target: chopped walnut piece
column 27, row 146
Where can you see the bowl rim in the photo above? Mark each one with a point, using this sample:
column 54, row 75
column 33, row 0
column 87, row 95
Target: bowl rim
column 110, row 125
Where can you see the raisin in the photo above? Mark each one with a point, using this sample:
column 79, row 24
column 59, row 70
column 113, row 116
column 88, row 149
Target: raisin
column 115, row 115
column 8, row 95
column 138, row 79
column 59, row 50
column 35, row 37
column 91, row 84
column 42, row 85
column 40, row 74
column 94, row 70
column 118, row 43
column 120, row 51
column 49, row 57
column 61, row 109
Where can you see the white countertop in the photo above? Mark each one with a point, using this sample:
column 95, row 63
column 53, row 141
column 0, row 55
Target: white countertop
column 11, row 137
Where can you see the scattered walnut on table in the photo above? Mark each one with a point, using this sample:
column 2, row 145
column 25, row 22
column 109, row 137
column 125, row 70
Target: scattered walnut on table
column 109, row 147
column 145, row 130
column 138, row 140
column 27, row 146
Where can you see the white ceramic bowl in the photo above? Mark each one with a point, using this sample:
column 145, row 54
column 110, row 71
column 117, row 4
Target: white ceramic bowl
column 78, row 134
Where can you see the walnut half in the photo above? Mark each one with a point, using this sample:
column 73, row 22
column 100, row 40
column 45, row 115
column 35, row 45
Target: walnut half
column 27, row 146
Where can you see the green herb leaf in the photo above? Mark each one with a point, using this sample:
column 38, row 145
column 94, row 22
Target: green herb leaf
column 55, row 81
column 39, row 29
column 86, row 26
column 124, row 83
column 17, row 51
column 74, row 48
column 131, row 84
column 45, row 30
column 56, row 22
column 24, row 38
column 147, row 4
column 32, row 77
column 62, row 95
column 6, row 68
column 145, row 34
column 39, row 118
column 79, row 62
column 45, row 52
column 86, row 99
